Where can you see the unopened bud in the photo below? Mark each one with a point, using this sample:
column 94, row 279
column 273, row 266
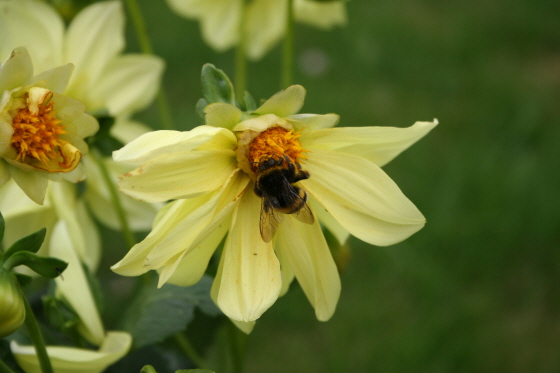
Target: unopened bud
column 12, row 307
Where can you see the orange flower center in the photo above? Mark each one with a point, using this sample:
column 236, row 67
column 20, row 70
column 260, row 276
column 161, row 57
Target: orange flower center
column 36, row 135
column 275, row 142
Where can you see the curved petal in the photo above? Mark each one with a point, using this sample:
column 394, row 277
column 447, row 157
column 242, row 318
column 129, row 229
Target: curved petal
column 129, row 83
column 43, row 32
column 329, row 221
column 220, row 114
column 325, row 15
column 379, row 145
column 154, row 144
column 261, row 123
column 74, row 287
column 251, row 278
column 32, row 184
column 182, row 175
column 16, row 70
column 55, row 79
column 310, row 258
column 220, row 23
column 264, row 26
column 93, row 38
column 313, row 122
column 285, row 267
column 284, row 103
column 76, row 360
column 361, row 197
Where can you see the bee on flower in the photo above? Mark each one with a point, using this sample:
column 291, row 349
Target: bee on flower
column 268, row 180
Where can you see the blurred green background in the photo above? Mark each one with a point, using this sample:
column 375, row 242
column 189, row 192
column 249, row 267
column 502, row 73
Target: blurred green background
column 476, row 290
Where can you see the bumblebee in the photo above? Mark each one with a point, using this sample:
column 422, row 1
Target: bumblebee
column 275, row 179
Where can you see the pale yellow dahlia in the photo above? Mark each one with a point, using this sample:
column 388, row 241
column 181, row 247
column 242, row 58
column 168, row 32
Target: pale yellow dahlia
column 106, row 81
column 263, row 22
column 41, row 130
column 211, row 172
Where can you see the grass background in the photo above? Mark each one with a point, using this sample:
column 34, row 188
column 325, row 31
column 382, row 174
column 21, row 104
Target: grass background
column 477, row 290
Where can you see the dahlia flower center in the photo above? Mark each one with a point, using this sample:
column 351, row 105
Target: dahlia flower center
column 37, row 133
column 275, row 143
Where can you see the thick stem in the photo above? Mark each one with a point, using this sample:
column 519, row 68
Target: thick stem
column 37, row 338
column 115, row 198
column 237, row 342
column 187, row 347
column 288, row 53
column 146, row 48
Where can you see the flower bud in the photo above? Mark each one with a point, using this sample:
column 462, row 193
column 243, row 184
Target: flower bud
column 12, row 307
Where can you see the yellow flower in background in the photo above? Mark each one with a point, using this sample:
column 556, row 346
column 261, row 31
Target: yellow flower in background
column 41, row 131
column 263, row 22
column 220, row 177
column 107, row 81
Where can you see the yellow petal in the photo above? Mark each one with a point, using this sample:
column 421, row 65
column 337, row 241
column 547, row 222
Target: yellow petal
column 313, row 122
column 76, row 360
column 361, row 197
column 309, row 256
column 323, row 15
column 16, row 71
column 251, row 278
column 376, row 144
column 284, row 103
column 32, row 183
column 223, row 115
column 264, row 26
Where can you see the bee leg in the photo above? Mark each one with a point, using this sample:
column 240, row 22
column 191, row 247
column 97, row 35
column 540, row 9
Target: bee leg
column 289, row 163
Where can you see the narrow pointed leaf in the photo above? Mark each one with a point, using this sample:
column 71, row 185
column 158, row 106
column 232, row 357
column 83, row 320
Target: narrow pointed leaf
column 45, row 266
column 30, row 243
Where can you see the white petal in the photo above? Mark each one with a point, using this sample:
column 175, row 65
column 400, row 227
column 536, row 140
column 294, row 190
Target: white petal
column 154, row 144
column 32, row 183
column 16, row 70
column 74, row 286
column 376, row 144
column 55, row 79
column 223, row 115
column 361, row 197
column 323, row 15
column 182, row 175
column 125, row 129
column 309, row 256
column 129, row 83
column 93, row 38
column 73, row 360
column 313, row 122
column 264, row 26
column 251, row 278
column 284, row 103
column 285, row 267
column 221, row 22
column 188, row 8
column 43, row 32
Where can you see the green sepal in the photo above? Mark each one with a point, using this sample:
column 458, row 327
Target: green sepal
column 60, row 315
column 148, row 369
column 200, row 114
column 2, row 228
column 103, row 140
column 31, row 243
column 250, row 104
column 45, row 266
column 23, row 280
column 216, row 86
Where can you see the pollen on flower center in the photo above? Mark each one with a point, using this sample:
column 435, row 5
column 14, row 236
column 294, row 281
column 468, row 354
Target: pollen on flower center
column 276, row 143
column 36, row 135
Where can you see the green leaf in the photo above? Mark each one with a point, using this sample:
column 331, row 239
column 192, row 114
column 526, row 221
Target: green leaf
column 156, row 314
column 200, row 114
column 216, row 86
column 23, row 280
column 148, row 369
column 45, row 266
column 31, row 243
column 250, row 104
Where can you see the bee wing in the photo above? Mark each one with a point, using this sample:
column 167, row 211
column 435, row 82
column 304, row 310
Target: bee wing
column 270, row 219
column 304, row 215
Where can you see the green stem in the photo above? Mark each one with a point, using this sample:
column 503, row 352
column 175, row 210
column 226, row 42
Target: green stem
column 237, row 340
column 241, row 62
column 4, row 368
column 146, row 48
column 288, row 55
column 119, row 210
column 189, row 350
column 37, row 338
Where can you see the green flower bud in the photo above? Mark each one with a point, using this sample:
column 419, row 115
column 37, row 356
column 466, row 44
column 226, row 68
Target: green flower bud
column 12, row 307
